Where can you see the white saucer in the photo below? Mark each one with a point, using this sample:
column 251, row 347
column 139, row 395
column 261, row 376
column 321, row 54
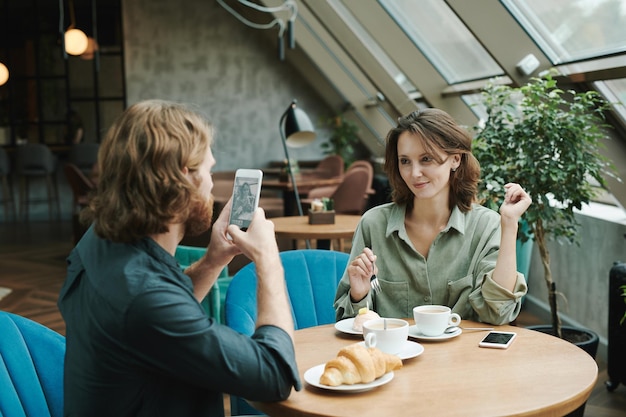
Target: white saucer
column 312, row 377
column 345, row 326
column 409, row 350
column 413, row 332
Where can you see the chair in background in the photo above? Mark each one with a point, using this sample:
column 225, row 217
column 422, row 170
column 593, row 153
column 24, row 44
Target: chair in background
column 328, row 190
column 35, row 161
column 329, row 167
column 213, row 303
column 350, row 196
column 5, row 185
column 368, row 166
column 84, row 156
column 312, row 277
column 81, row 188
column 32, row 357
column 79, row 183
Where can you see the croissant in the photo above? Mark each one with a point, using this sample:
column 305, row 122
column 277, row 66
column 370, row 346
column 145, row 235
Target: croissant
column 356, row 364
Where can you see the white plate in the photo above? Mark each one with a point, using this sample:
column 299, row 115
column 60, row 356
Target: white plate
column 312, row 377
column 345, row 326
column 413, row 332
column 409, row 350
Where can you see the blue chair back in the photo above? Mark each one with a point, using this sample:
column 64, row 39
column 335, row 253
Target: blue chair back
column 312, row 276
column 31, row 368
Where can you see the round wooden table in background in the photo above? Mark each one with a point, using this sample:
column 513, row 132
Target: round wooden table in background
column 538, row 375
column 298, row 227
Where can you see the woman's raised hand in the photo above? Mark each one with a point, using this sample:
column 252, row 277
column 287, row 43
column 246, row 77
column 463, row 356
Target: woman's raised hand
column 516, row 202
column 360, row 270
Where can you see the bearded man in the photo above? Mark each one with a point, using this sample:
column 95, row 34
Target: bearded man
column 138, row 341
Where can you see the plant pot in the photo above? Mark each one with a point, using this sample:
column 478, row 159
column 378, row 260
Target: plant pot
column 524, row 252
column 322, row 217
column 585, row 339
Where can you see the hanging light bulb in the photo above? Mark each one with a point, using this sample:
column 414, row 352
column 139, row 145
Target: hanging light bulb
column 76, row 41
column 4, row 74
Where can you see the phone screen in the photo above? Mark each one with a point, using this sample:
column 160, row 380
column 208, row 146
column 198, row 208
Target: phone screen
column 245, row 200
column 498, row 338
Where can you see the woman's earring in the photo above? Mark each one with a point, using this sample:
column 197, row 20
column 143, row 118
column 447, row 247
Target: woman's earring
column 453, row 169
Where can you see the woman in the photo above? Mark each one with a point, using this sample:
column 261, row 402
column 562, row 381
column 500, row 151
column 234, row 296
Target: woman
column 433, row 244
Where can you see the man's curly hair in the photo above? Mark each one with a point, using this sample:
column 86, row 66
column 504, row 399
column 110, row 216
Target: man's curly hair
column 141, row 185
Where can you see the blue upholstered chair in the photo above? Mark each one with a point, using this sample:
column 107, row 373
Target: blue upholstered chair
column 214, row 301
column 312, row 276
column 31, row 368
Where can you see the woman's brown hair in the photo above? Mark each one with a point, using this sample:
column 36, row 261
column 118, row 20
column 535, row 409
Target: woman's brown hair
column 438, row 132
column 141, row 186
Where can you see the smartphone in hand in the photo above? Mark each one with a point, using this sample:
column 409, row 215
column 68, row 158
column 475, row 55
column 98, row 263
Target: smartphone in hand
column 246, row 193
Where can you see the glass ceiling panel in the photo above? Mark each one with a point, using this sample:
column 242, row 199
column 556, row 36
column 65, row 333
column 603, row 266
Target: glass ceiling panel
column 373, row 46
column 443, row 39
column 475, row 102
column 573, row 30
column 615, row 92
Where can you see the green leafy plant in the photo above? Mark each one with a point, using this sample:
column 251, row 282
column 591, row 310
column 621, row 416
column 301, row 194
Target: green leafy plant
column 343, row 139
column 329, row 204
column 549, row 141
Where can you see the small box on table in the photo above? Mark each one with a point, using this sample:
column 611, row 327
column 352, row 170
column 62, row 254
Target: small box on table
column 322, row 217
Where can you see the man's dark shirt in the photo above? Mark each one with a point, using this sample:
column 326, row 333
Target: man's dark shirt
column 139, row 343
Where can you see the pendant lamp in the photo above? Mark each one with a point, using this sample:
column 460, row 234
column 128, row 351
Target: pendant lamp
column 76, row 41
column 4, row 74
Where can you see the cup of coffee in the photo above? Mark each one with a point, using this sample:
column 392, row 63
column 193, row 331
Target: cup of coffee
column 433, row 320
column 388, row 335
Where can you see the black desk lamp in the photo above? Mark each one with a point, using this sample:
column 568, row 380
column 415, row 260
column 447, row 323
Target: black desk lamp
column 297, row 132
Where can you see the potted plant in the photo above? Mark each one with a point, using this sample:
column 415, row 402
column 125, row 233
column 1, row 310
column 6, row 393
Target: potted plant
column 549, row 141
column 343, row 140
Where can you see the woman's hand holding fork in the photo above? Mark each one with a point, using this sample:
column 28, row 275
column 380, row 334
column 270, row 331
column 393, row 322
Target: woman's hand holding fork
column 360, row 271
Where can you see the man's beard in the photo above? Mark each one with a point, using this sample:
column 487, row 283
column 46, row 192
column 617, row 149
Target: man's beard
column 200, row 217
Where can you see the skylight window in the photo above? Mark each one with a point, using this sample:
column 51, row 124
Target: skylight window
column 373, row 46
column 443, row 39
column 573, row 30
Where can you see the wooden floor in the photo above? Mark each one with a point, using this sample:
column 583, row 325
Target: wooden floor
column 32, row 264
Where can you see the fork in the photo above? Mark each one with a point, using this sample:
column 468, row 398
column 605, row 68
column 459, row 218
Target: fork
column 374, row 283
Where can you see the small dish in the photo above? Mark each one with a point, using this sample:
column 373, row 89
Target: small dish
column 312, row 377
column 413, row 332
column 345, row 326
column 409, row 350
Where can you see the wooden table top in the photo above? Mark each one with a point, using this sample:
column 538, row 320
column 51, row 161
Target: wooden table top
column 298, row 227
column 537, row 375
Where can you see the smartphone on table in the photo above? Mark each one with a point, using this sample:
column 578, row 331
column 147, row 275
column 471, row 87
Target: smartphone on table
column 498, row 340
column 246, row 193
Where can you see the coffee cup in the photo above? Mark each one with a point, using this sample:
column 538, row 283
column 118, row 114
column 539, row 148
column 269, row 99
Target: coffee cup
column 388, row 335
column 433, row 320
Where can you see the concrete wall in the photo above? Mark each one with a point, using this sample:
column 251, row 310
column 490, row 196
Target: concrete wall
column 581, row 274
column 196, row 52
